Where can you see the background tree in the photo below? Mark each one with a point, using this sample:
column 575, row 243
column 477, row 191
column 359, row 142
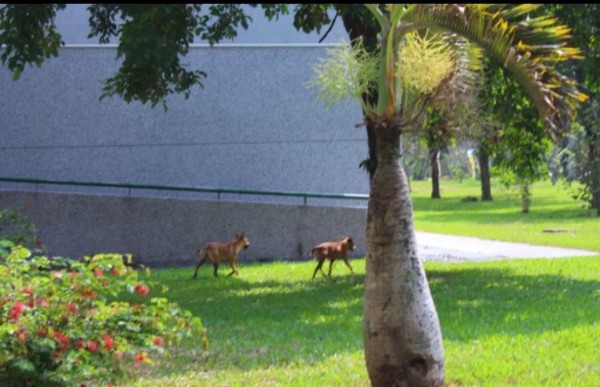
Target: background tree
column 437, row 138
column 585, row 21
column 519, row 144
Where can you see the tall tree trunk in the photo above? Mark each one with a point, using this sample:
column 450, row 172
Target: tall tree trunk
column 401, row 331
column 434, row 159
column 484, row 167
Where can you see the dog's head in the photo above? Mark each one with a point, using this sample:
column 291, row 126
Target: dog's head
column 349, row 242
column 242, row 239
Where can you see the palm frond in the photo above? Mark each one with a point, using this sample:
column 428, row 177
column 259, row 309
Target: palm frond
column 527, row 47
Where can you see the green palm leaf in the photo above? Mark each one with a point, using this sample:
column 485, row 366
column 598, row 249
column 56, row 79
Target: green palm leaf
column 528, row 48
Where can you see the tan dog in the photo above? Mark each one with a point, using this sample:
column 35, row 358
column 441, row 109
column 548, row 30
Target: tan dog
column 332, row 251
column 219, row 252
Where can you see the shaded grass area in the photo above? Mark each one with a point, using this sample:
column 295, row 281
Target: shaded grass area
column 519, row 322
column 552, row 209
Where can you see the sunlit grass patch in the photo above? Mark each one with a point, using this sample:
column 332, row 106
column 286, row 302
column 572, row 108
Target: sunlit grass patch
column 555, row 218
column 514, row 322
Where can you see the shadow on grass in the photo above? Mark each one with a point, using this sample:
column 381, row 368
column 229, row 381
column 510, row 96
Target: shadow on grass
column 477, row 302
column 262, row 323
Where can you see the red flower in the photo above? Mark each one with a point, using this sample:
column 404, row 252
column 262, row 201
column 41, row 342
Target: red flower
column 22, row 335
column 158, row 341
column 16, row 310
column 139, row 358
column 92, row 346
column 72, row 307
column 43, row 303
column 79, row 343
column 27, row 291
column 62, row 339
column 108, row 342
column 98, row 273
column 42, row 333
column 142, row 289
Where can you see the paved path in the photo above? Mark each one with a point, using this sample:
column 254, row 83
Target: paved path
column 449, row 248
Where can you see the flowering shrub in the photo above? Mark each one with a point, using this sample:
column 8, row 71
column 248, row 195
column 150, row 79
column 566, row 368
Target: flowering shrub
column 59, row 327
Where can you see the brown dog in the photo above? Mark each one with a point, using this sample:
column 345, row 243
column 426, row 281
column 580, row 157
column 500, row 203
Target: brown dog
column 219, row 252
column 332, row 251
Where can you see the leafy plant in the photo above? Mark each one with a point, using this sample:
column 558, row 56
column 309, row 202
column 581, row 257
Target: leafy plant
column 16, row 227
column 63, row 326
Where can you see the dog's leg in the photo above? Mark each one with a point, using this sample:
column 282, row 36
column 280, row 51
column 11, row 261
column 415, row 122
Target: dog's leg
column 331, row 261
column 348, row 264
column 233, row 269
column 216, row 266
column 202, row 261
column 318, row 267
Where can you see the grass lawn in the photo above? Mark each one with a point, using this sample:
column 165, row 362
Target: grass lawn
column 515, row 322
column 518, row 322
column 552, row 208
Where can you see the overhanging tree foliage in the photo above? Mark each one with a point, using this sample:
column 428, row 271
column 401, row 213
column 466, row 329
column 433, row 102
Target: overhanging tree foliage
column 152, row 41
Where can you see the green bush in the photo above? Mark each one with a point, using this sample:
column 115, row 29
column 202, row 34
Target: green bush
column 67, row 325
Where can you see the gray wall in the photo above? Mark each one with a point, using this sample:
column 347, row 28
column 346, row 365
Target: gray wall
column 167, row 232
column 255, row 125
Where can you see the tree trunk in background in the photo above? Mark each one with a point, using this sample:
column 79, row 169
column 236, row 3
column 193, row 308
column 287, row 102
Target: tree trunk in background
column 593, row 134
column 525, row 193
column 401, row 330
column 484, row 167
column 434, row 159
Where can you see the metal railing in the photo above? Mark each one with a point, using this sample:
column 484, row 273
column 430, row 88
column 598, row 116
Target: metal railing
column 218, row 191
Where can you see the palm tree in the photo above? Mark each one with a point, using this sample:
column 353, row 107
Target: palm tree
column 401, row 331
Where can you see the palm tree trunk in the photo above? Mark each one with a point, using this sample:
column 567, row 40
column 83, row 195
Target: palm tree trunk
column 401, row 331
column 434, row 159
column 484, row 167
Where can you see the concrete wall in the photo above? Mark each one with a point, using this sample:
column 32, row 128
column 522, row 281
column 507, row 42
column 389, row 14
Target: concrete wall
column 167, row 232
column 255, row 125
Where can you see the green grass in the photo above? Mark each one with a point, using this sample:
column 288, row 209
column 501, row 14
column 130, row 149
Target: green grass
column 515, row 322
column 552, row 208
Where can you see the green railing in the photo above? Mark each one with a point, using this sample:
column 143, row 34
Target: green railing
column 218, row 191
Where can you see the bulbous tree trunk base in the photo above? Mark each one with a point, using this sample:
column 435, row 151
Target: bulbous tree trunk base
column 401, row 332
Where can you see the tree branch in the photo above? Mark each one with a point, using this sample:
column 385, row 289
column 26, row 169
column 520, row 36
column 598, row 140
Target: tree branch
column 330, row 27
